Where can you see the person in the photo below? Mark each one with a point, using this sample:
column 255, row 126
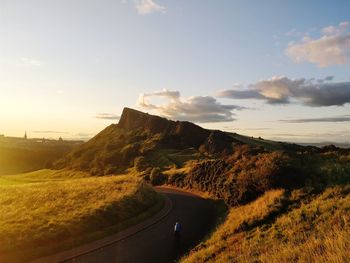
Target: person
column 177, row 229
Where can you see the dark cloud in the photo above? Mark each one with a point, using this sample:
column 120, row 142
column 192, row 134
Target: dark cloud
column 325, row 94
column 329, row 78
column 345, row 118
column 107, row 116
column 281, row 90
column 194, row 109
column 241, row 94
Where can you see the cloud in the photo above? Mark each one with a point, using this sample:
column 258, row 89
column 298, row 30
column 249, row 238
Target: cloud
column 107, row 116
column 332, row 48
column 174, row 95
column 31, row 62
column 345, row 118
column 145, row 7
column 194, row 109
column 293, row 33
column 281, row 90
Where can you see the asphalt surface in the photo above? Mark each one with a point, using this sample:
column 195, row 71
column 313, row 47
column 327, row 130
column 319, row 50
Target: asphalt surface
column 157, row 243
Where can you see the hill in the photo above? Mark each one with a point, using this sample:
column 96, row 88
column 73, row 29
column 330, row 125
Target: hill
column 274, row 191
column 163, row 143
column 229, row 166
column 18, row 155
column 46, row 211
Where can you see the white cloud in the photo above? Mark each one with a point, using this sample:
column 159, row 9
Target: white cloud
column 144, row 7
column 31, row 62
column 195, row 109
column 332, row 48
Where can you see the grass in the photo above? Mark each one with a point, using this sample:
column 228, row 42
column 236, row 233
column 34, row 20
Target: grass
column 43, row 175
column 18, row 155
column 238, row 220
column 311, row 229
column 46, row 211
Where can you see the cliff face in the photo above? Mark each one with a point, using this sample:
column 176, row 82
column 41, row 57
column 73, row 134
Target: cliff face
column 134, row 120
column 176, row 133
column 141, row 134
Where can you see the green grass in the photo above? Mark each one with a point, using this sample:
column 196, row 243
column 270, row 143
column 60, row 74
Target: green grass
column 47, row 211
column 166, row 158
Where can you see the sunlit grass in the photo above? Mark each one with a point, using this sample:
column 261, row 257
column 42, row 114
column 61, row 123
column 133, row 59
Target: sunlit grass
column 316, row 231
column 239, row 219
column 40, row 214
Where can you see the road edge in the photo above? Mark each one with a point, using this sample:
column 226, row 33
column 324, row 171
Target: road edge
column 107, row 241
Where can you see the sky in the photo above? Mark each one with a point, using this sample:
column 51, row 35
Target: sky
column 275, row 69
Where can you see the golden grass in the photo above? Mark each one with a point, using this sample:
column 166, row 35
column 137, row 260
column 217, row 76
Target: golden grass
column 238, row 220
column 43, row 175
column 317, row 230
column 41, row 214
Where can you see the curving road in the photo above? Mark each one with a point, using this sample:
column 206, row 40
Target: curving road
column 156, row 243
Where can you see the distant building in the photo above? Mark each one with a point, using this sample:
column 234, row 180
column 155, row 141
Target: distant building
column 25, row 135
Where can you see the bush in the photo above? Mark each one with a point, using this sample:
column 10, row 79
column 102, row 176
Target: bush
column 157, row 177
column 242, row 177
column 140, row 164
column 177, row 179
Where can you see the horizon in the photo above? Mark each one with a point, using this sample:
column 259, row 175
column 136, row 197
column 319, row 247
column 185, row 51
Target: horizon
column 26, row 136
column 274, row 70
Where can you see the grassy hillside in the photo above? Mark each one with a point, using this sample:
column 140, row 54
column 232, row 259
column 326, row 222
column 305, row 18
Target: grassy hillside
column 45, row 211
column 316, row 230
column 18, row 155
column 309, row 224
column 270, row 145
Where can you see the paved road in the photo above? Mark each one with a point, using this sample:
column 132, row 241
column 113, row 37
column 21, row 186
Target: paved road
column 157, row 243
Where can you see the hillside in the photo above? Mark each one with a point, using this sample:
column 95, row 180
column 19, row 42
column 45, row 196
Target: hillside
column 279, row 195
column 47, row 211
column 229, row 166
column 160, row 141
column 18, row 155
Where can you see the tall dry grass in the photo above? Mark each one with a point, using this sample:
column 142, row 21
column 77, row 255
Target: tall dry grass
column 239, row 219
column 41, row 214
column 316, row 230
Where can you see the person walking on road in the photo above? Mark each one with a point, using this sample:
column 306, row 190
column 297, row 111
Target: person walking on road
column 177, row 229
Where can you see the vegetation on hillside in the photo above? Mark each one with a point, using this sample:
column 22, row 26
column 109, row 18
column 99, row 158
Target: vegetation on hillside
column 115, row 149
column 240, row 177
column 309, row 224
column 49, row 210
column 19, row 155
column 267, row 185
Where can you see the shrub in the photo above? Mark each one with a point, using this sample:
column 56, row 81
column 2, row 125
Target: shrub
column 140, row 164
column 157, row 177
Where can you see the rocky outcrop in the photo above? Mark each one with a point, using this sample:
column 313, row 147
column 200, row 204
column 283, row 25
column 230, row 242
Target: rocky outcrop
column 177, row 133
column 134, row 120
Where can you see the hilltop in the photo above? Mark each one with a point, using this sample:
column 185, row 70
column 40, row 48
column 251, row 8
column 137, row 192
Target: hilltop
column 161, row 142
column 229, row 166
column 140, row 134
